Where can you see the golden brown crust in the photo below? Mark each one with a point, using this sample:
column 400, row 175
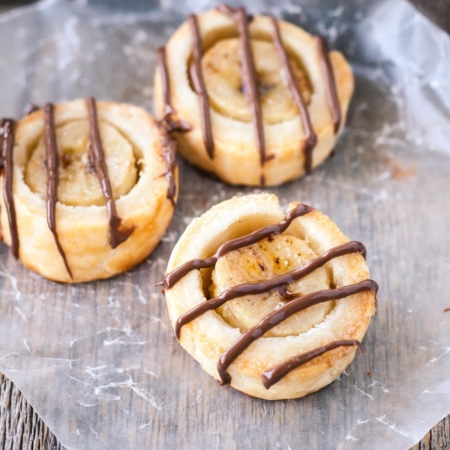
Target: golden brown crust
column 208, row 336
column 237, row 159
column 83, row 230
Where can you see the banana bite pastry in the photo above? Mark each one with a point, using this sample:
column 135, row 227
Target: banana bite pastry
column 274, row 304
column 88, row 188
column 252, row 99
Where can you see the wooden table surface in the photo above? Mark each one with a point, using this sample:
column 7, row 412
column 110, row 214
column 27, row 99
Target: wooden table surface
column 22, row 428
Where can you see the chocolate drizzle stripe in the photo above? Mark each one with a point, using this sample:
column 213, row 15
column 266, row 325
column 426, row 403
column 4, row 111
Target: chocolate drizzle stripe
column 249, row 78
column 30, row 108
column 330, row 83
column 281, row 281
column 7, row 142
column 118, row 233
column 230, row 12
column 162, row 64
column 199, row 85
column 172, row 278
column 310, row 135
column 271, row 377
column 52, row 178
column 279, row 315
column 169, row 123
column 170, row 157
column 2, row 121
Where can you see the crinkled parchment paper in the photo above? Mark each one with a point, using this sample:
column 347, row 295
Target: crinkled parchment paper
column 99, row 362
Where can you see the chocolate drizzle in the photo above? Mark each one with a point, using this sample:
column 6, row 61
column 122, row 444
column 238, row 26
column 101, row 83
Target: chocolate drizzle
column 330, row 83
column 239, row 15
column 52, row 178
column 169, row 147
column 170, row 123
column 271, row 377
column 295, row 302
column 310, row 135
column 242, row 19
column 280, row 283
column 172, row 278
column 30, row 108
column 162, row 64
column 230, row 12
column 249, row 79
column 199, row 85
column 118, row 233
column 7, row 146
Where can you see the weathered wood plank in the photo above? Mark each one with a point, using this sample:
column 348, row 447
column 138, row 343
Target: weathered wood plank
column 436, row 439
column 22, row 429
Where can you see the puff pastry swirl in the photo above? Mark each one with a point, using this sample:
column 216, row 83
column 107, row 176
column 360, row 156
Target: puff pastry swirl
column 261, row 101
column 274, row 305
column 88, row 188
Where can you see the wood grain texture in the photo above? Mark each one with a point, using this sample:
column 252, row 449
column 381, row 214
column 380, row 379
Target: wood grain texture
column 22, row 429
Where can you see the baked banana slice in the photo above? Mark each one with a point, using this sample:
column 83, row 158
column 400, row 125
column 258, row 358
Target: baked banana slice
column 265, row 260
column 224, row 80
column 261, row 101
column 78, row 183
column 88, row 188
column 273, row 304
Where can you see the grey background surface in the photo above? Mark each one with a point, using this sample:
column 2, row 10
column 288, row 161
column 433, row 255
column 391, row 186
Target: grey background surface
column 99, row 362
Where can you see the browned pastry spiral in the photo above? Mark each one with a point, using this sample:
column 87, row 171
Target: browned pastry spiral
column 273, row 304
column 88, row 188
column 254, row 100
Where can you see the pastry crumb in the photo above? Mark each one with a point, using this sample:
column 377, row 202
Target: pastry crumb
column 400, row 168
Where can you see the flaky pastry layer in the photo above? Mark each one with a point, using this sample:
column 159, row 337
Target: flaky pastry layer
column 83, row 230
column 207, row 337
column 236, row 154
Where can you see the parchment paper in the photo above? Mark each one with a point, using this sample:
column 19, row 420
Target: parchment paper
column 99, row 362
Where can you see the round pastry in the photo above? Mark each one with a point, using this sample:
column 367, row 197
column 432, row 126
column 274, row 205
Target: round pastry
column 273, row 304
column 88, row 188
column 253, row 100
